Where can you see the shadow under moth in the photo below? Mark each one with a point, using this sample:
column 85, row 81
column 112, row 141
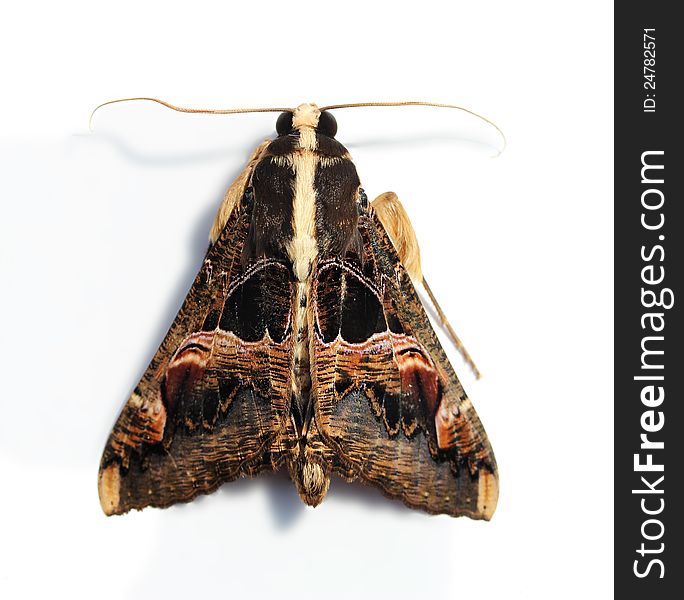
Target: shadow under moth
column 302, row 345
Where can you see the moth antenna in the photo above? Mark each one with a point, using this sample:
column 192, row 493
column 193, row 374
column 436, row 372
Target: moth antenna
column 207, row 111
column 450, row 330
column 418, row 103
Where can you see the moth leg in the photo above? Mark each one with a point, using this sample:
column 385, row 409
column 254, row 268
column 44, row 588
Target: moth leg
column 396, row 222
column 398, row 226
column 450, row 331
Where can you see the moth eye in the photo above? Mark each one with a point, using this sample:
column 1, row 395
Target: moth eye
column 248, row 197
column 363, row 200
column 284, row 123
column 327, row 125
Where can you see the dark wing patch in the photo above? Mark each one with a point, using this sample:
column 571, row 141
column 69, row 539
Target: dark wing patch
column 259, row 302
column 347, row 305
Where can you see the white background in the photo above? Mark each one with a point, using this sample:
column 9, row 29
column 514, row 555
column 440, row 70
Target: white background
column 101, row 235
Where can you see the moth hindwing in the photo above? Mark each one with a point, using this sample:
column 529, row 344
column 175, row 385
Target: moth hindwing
column 302, row 345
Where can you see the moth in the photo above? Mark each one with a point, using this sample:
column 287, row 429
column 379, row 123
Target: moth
column 303, row 345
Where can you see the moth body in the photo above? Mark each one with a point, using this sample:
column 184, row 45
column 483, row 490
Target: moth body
column 316, row 222
column 303, row 345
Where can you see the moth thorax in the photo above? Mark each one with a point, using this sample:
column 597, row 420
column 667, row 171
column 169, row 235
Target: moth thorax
column 303, row 248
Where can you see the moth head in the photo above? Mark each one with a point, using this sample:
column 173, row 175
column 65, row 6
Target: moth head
column 304, row 116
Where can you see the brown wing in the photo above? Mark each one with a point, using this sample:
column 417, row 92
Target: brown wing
column 387, row 399
column 214, row 402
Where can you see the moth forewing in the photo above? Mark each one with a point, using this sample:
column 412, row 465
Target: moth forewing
column 302, row 345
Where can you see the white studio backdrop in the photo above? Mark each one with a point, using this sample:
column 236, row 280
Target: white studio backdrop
column 102, row 233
